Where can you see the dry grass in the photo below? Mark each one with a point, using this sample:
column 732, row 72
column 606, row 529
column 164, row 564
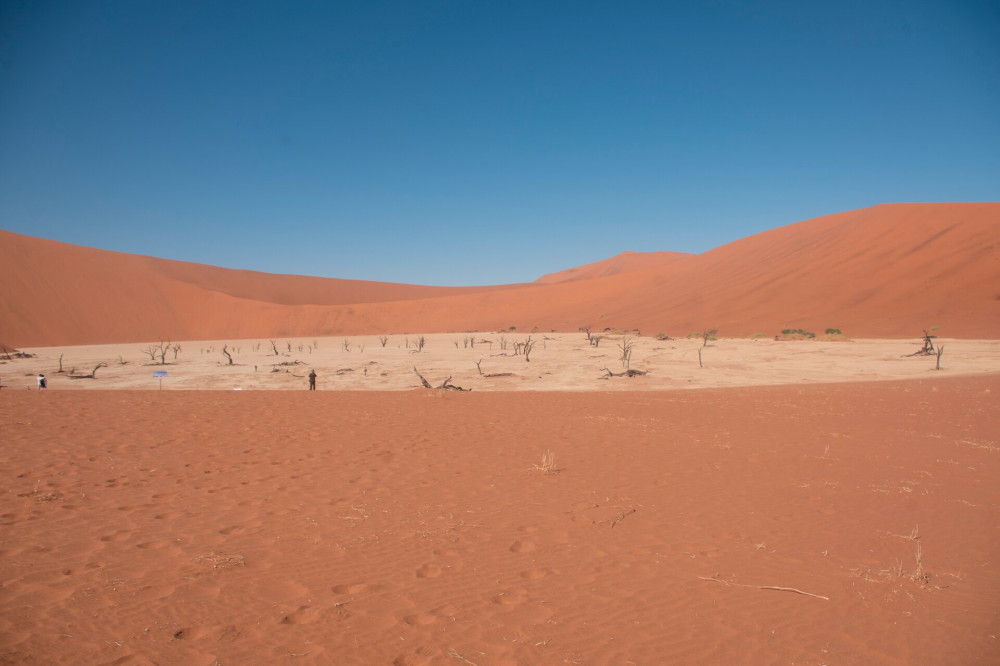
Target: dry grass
column 548, row 465
column 222, row 560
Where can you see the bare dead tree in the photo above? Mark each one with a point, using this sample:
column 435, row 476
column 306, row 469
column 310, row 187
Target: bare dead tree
column 289, row 345
column 162, row 351
column 225, row 352
column 383, row 339
column 528, row 345
column 418, row 344
column 274, row 347
column 176, row 349
column 151, row 351
column 490, row 374
column 503, row 342
column 706, row 336
column 60, row 364
column 346, row 345
column 940, row 350
column 625, row 346
column 594, row 339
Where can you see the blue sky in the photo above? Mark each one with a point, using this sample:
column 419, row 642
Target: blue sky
column 481, row 142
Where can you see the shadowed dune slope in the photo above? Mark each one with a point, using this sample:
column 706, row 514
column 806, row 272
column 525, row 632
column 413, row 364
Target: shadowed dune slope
column 886, row 271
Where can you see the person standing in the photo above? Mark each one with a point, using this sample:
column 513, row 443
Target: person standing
column 312, row 380
column 42, row 384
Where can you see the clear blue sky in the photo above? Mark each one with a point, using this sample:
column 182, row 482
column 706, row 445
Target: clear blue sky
column 481, row 142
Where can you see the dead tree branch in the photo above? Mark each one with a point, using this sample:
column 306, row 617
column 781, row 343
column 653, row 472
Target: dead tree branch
column 627, row 373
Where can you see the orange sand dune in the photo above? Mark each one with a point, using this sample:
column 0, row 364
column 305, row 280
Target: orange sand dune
column 626, row 262
column 833, row 524
column 887, row 271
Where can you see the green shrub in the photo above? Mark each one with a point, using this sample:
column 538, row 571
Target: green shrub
column 789, row 332
column 833, row 331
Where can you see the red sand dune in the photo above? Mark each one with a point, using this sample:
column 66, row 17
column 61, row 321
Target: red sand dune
column 626, row 262
column 886, row 271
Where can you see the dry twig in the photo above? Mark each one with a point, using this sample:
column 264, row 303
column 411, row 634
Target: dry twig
column 765, row 587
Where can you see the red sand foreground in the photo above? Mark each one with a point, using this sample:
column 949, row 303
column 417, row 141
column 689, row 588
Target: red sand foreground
column 820, row 524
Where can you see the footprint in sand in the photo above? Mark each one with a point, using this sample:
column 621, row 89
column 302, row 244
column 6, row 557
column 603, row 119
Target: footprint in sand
column 522, row 547
column 429, row 571
column 116, row 536
column 352, row 588
column 304, row 615
column 419, row 619
column 534, row 574
column 511, row 597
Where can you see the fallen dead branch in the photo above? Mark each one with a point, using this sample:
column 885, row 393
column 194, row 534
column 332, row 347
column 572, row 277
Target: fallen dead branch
column 621, row 517
column 628, row 373
column 446, row 385
column 764, row 587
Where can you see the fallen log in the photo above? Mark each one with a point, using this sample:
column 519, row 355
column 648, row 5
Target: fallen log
column 628, row 373
column 446, row 385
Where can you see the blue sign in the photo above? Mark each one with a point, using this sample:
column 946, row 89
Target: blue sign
column 160, row 373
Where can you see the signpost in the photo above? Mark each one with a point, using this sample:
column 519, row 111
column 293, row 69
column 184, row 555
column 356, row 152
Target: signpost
column 160, row 374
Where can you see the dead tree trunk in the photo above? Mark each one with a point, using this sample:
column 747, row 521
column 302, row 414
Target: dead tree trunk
column 446, row 385
column 225, row 352
column 627, row 373
column 93, row 373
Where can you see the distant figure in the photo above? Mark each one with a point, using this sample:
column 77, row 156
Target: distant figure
column 312, row 380
column 42, row 384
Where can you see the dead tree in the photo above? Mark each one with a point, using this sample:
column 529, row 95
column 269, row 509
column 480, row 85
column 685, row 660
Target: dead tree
column 626, row 351
column 225, row 352
column 527, row 346
column 60, row 364
column 418, row 344
column 176, row 349
column 93, row 373
column 940, row 350
column 274, row 347
column 928, row 348
column 446, row 385
column 383, row 339
column 491, row 374
column 593, row 339
column 151, row 352
column 627, row 373
column 706, row 336
column 346, row 345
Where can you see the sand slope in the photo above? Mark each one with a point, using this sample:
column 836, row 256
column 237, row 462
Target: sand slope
column 848, row 524
column 626, row 262
column 887, row 271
